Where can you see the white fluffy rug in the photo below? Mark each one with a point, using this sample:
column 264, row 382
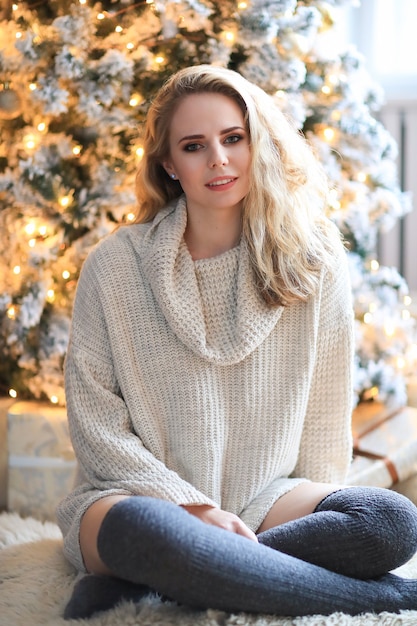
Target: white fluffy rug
column 36, row 582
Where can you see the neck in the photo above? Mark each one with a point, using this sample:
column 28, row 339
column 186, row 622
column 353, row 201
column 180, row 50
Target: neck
column 207, row 237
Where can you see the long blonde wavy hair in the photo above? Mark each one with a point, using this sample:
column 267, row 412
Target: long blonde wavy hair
column 287, row 232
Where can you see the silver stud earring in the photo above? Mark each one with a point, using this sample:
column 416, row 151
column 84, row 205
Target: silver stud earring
column 173, row 176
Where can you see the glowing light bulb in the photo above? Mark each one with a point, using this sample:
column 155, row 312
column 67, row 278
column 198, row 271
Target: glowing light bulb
column 66, row 274
column 82, row 1
column 130, row 45
column 76, row 150
column 42, row 230
column 16, row 270
column 400, row 362
column 326, row 90
column 118, row 29
column 100, row 16
column 374, row 265
column 33, row 86
column 140, row 152
column 389, row 328
column 328, row 134
column 64, row 201
column 130, row 217
column 11, row 312
column 30, row 228
column 54, row 399
column 18, row 35
column 13, row 393
column 367, row 318
column 407, row 300
column 41, row 127
column 50, row 295
column 30, row 142
column 32, row 243
column 361, row 177
column 14, row 7
column 242, row 5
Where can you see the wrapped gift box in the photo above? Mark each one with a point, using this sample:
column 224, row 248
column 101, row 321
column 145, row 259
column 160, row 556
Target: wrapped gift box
column 385, row 448
column 41, row 461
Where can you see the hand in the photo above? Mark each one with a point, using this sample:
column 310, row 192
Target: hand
column 223, row 519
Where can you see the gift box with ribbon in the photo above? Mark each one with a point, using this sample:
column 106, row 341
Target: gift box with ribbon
column 385, row 446
column 41, row 461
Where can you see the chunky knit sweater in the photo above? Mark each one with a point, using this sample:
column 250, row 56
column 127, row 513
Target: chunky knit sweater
column 183, row 385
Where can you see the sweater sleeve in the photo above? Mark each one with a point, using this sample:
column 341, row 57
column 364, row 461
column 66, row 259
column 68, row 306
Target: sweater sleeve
column 110, row 454
column 326, row 446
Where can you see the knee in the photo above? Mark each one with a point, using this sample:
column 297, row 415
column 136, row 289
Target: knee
column 388, row 518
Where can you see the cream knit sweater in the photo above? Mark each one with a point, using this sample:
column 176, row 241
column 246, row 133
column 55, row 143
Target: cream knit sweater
column 181, row 384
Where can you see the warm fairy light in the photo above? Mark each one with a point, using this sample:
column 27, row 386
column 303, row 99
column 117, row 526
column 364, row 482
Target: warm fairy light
column 374, row 265
column 135, row 100
column 64, row 201
column 82, row 1
column 400, row 362
column 13, row 393
column 11, row 312
column 130, row 217
column 407, row 300
column 18, row 35
column 54, row 399
column 14, row 7
column 32, row 86
column 242, row 5
column 361, row 177
column 118, row 29
column 149, row 1
column 30, row 228
column 229, row 36
column 42, row 230
column 100, row 16
column 66, row 274
column 130, row 45
column 30, row 142
column 17, row 270
column 41, row 127
column 32, row 243
column 280, row 93
column 76, row 150
column 328, row 134
column 140, row 152
column 159, row 59
column 389, row 328
column 326, row 90
column 50, row 295
column 367, row 318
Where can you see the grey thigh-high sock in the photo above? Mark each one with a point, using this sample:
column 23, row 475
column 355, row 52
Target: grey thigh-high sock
column 156, row 543
column 93, row 594
column 359, row 531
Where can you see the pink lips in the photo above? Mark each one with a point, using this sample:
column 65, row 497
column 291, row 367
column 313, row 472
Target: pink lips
column 221, row 183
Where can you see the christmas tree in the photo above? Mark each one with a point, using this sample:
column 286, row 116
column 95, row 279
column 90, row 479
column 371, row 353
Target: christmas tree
column 76, row 79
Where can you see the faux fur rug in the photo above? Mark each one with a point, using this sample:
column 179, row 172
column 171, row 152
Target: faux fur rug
column 36, row 582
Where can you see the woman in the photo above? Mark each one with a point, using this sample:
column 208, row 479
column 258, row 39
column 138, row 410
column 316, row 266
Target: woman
column 208, row 381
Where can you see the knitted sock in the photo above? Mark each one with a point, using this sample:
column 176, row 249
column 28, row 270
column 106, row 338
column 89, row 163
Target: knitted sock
column 361, row 532
column 93, row 594
column 156, row 543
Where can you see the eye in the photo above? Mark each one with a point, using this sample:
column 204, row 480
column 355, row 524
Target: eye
column 233, row 138
column 192, row 147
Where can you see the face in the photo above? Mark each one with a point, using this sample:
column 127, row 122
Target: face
column 210, row 153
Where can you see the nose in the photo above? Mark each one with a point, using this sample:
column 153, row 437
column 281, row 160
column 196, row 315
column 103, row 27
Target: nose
column 217, row 156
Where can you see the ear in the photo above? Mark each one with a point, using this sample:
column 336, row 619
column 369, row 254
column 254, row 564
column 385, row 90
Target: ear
column 167, row 165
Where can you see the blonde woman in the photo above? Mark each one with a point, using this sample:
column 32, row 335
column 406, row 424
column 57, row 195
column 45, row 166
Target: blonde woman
column 208, row 381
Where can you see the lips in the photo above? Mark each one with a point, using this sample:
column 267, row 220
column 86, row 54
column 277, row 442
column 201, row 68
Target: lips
column 221, row 181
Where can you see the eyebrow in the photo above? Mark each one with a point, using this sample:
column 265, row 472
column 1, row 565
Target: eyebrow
column 222, row 132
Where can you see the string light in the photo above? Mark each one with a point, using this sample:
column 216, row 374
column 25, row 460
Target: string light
column 66, row 274
column 50, row 295
column 11, row 312
column 374, row 265
column 76, row 150
column 140, row 152
column 100, row 16
column 33, row 86
column 30, row 228
column 242, row 5
column 130, row 217
column 367, row 318
column 64, row 201
column 54, row 399
column 326, row 90
column 13, row 393
column 16, row 270
column 328, row 134
column 389, row 328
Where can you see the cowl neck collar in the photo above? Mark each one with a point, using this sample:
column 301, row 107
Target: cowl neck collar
column 171, row 273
